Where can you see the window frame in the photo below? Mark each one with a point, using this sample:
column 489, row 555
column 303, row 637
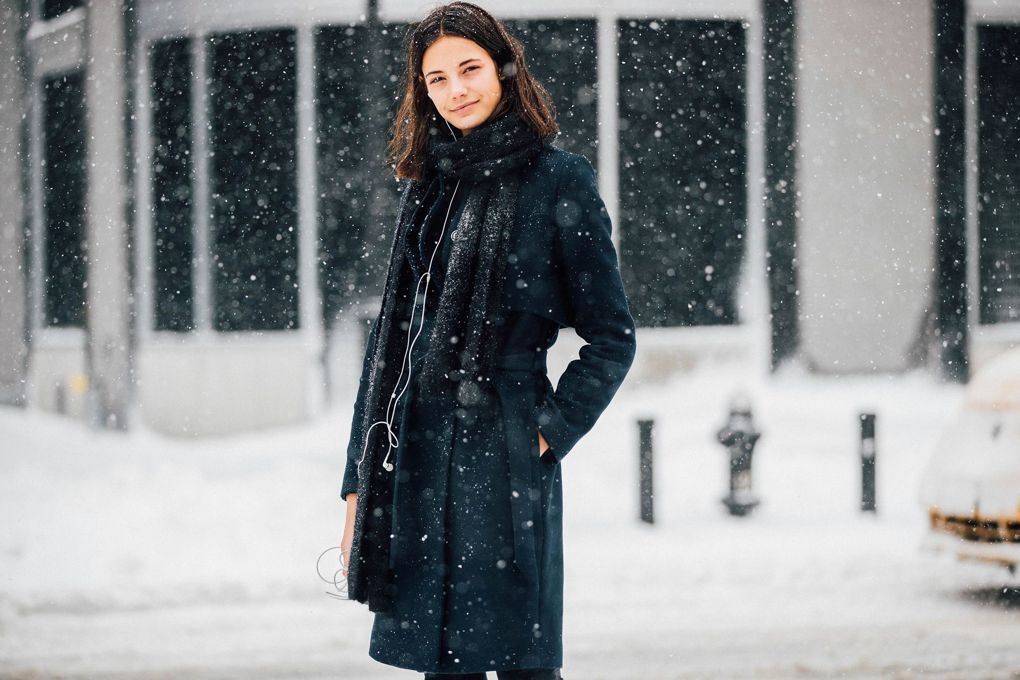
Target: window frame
column 55, row 46
column 159, row 22
column 179, row 17
column 980, row 13
column 753, row 332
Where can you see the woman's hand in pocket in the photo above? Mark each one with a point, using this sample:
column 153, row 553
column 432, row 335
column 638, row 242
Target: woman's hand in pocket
column 543, row 445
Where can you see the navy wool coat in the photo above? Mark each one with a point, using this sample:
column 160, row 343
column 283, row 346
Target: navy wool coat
column 476, row 559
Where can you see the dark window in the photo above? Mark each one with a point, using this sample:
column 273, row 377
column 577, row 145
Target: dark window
column 172, row 185
column 561, row 54
column 356, row 103
column 683, row 151
column 52, row 9
column 999, row 173
column 64, row 177
column 253, row 180
column 340, row 68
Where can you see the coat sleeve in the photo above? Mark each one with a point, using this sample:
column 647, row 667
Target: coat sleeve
column 350, row 481
column 598, row 308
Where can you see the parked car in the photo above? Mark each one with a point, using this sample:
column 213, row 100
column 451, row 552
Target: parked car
column 971, row 486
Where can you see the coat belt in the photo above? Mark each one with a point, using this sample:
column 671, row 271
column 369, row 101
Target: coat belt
column 534, row 362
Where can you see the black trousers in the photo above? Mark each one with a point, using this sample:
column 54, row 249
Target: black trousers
column 529, row 674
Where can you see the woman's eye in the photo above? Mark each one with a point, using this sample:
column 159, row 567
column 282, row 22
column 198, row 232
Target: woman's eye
column 471, row 68
column 435, row 80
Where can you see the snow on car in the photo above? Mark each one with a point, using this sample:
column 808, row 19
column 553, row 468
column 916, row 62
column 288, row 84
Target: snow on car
column 971, row 486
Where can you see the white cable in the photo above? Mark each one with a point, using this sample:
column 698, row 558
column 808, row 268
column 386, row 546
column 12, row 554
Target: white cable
column 391, row 409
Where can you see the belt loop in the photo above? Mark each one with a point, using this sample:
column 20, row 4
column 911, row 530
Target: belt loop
column 534, row 361
column 539, row 361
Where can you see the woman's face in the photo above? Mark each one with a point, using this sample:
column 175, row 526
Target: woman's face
column 462, row 81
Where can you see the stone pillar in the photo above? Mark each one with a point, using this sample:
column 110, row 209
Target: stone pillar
column 866, row 183
column 13, row 272
column 109, row 290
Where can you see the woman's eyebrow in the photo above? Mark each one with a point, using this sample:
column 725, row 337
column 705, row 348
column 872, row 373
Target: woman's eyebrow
column 458, row 66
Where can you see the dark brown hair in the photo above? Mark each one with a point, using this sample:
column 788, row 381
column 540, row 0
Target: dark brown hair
column 417, row 117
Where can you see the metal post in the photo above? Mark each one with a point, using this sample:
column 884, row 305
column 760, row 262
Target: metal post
column 645, row 465
column 867, row 462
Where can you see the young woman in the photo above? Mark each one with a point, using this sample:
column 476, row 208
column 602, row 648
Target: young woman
column 453, row 481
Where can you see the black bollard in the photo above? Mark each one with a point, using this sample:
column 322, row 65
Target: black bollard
column 867, row 462
column 645, row 467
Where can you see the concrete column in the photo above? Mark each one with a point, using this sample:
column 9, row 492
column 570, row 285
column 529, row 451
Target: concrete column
column 866, row 172
column 109, row 298
column 309, row 298
column 607, row 67
column 13, row 344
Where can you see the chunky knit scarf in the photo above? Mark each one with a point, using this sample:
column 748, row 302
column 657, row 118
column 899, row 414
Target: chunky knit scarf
column 462, row 344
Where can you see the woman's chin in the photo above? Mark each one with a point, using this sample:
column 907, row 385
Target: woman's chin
column 468, row 123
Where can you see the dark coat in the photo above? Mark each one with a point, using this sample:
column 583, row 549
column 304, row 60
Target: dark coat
column 477, row 548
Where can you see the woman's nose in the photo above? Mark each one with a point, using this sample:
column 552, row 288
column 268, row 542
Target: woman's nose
column 457, row 87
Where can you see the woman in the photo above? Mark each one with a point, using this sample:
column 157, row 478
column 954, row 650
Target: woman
column 453, row 534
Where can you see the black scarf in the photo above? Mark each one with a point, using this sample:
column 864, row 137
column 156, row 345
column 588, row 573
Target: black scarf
column 462, row 344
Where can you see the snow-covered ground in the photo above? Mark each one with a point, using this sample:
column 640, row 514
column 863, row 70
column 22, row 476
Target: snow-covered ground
column 135, row 555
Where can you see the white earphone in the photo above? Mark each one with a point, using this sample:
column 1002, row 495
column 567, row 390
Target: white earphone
column 398, row 391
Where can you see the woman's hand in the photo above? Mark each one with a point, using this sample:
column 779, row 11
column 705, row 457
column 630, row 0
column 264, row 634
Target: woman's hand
column 348, row 537
column 543, row 445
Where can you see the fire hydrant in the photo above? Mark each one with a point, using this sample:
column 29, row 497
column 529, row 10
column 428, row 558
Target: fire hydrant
column 739, row 436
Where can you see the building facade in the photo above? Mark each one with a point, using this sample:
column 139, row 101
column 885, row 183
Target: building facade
column 195, row 229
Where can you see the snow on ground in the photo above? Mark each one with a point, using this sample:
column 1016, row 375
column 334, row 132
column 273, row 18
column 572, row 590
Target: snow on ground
column 141, row 556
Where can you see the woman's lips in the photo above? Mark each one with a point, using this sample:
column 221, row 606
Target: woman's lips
column 464, row 108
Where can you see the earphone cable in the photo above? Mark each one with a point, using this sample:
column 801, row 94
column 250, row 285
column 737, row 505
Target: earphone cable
column 392, row 439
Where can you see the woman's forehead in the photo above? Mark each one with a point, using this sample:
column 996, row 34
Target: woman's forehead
column 450, row 51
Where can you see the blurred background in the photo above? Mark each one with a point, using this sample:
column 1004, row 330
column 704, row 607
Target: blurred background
column 816, row 207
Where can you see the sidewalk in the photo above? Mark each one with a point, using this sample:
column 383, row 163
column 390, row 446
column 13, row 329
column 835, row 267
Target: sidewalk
column 141, row 557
